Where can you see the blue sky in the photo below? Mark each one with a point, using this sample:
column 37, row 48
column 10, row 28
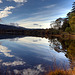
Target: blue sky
column 33, row 13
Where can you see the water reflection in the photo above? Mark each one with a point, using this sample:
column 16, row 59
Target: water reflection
column 67, row 47
column 35, row 71
column 15, row 63
column 35, row 55
column 4, row 50
column 70, row 53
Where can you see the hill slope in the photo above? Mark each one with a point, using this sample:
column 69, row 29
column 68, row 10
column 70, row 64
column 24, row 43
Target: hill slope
column 5, row 27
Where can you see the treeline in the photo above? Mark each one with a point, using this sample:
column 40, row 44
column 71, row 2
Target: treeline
column 30, row 32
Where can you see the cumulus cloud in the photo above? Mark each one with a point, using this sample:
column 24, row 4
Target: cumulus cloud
column 5, row 51
column 9, row 8
column 20, row 1
column 6, row 12
column 15, row 63
column 1, row 1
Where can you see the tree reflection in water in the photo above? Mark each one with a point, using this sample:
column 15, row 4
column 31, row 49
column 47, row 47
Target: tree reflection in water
column 65, row 46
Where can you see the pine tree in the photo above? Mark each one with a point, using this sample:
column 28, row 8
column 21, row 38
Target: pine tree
column 73, row 8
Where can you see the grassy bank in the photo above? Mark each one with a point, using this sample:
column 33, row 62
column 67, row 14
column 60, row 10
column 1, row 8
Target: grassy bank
column 65, row 36
column 62, row 72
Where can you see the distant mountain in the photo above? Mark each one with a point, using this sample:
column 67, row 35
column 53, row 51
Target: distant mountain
column 6, row 27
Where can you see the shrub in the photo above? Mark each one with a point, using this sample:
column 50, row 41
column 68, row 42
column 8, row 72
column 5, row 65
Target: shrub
column 68, row 29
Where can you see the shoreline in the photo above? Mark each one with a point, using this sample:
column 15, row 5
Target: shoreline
column 67, row 36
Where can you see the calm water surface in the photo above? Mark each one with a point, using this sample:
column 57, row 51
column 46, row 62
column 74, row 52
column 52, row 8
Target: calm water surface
column 31, row 55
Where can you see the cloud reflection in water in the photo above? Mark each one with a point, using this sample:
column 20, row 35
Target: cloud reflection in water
column 5, row 51
column 35, row 71
column 15, row 63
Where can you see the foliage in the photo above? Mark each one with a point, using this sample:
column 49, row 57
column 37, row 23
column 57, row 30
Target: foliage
column 71, row 53
column 65, row 24
column 58, row 22
column 72, row 21
column 68, row 29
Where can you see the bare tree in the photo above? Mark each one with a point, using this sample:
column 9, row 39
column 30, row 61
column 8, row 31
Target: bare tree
column 57, row 23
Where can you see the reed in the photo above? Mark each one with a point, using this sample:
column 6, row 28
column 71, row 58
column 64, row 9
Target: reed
column 62, row 72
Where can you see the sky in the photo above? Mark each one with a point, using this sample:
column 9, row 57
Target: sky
column 33, row 13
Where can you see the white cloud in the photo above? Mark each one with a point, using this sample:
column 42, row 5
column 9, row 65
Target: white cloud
column 1, row 1
column 20, row 1
column 6, row 12
column 50, row 6
column 9, row 8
